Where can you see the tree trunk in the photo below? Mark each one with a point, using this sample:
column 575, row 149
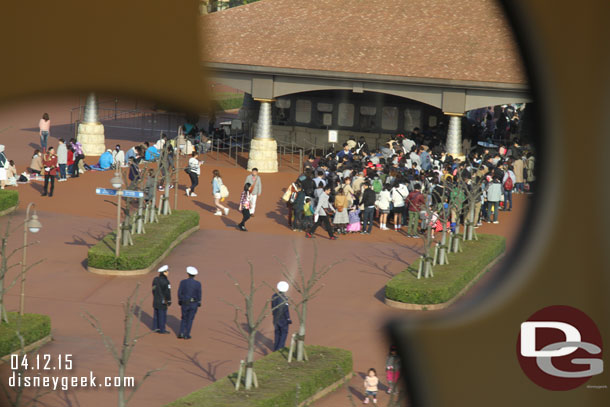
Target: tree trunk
column 249, row 361
column 300, row 340
column 166, row 209
column 125, row 230
column 442, row 253
column 122, row 402
column 140, row 222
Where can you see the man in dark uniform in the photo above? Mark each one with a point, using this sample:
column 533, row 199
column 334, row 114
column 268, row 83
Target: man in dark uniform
column 281, row 315
column 162, row 298
column 189, row 298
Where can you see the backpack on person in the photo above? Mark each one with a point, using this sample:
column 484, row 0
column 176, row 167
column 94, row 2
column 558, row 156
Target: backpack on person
column 508, row 184
column 377, row 185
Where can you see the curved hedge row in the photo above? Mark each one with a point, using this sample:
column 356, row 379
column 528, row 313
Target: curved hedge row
column 146, row 247
column 448, row 279
column 278, row 381
column 8, row 198
column 33, row 328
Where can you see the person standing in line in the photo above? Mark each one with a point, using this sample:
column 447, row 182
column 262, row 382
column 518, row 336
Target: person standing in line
column 281, row 315
column 45, row 126
column 323, row 209
column 244, row 206
column 62, row 159
column 189, row 299
column 494, row 193
column 49, row 161
column 193, row 171
column 162, row 298
column 416, row 202
column 507, row 188
column 216, row 184
column 368, row 202
column 256, row 188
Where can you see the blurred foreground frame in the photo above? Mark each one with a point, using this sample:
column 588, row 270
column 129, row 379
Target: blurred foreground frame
column 143, row 48
column 58, row 50
column 466, row 355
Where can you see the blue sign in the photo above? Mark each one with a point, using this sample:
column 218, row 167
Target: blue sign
column 113, row 192
column 133, row 194
column 104, row 191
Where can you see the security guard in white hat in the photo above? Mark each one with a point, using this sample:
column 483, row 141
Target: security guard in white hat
column 189, row 298
column 281, row 315
column 162, row 298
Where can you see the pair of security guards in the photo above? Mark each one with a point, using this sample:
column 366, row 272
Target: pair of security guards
column 189, row 299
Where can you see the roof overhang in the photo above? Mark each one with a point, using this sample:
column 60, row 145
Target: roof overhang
column 450, row 95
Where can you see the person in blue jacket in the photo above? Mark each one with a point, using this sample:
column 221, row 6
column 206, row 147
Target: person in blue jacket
column 281, row 315
column 106, row 160
column 189, row 299
column 151, row 153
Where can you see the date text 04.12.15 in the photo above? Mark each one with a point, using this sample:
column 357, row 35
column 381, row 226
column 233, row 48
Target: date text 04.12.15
column 41, row 362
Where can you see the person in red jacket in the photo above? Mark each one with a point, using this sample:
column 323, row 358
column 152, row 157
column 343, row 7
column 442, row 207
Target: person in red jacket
column 416, row 201
column 49, row 163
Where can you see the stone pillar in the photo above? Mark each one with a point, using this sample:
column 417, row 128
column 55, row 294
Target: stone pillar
column 263, row 148
column 90, row 130
column 454, row 137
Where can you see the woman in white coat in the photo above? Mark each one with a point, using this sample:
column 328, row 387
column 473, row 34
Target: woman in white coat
column 383, row 204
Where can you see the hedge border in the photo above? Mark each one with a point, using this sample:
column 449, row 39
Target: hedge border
column 435, row 307
column 111, row 272
column 27, row 349
column 35, row 328
column 403, row 290
column 9, row 210
column 148, row 249
column 316, row 381
column 10, row 197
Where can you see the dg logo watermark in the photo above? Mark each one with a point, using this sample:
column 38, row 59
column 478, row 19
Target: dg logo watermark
column 560, row 348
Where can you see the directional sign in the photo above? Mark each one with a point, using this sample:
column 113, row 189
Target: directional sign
column 126, row 193
column 104, row 191
column 133, row 194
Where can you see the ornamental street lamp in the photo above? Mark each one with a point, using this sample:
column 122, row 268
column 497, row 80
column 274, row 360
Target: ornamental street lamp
column 32, row 224
column 117, row 182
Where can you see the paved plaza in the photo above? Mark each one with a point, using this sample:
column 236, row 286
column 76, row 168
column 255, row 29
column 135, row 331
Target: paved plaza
column 349, row 312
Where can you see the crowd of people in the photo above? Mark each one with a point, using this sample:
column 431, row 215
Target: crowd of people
column 410, row 182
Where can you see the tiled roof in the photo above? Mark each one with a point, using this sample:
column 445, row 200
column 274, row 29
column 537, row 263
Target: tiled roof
column 446, row 39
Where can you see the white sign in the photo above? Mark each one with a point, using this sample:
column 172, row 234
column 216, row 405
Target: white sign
column 333, row 136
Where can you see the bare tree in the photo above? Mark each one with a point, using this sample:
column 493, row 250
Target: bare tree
column 426, row 262
column 471, row 185
column 253, row 320
column 5, row 257
column 131, row 308
column 441, row 196
column 308, row 288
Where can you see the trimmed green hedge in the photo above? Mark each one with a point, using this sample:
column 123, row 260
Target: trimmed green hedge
column 8, row 198
column 33, row 328
column 277, row 381
column 449, row 279
column 146, row 247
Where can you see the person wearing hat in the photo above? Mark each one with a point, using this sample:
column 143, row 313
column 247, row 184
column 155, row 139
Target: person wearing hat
column 281, row 315
column 162, row 298
column 189, row 298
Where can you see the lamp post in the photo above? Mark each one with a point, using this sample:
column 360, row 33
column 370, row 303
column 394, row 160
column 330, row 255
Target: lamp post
column 117, row 182
column 34, row 226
